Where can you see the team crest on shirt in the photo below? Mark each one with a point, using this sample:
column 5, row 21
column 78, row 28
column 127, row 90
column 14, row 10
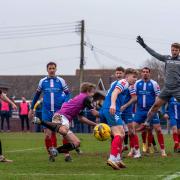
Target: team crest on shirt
column 123, row 83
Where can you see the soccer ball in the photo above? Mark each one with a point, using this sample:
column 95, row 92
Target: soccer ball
column 102, row 132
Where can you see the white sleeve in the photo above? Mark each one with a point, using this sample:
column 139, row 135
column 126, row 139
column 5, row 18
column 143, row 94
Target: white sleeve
column 156, row 88
column 64, row 85
column 132, row 91
column 122, row 84
column 40, row 85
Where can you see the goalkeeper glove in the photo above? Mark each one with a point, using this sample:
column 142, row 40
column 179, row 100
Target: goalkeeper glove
column 140, row 40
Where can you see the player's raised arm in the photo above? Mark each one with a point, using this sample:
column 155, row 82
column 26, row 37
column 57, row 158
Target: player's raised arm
column 5, row 98
column 160, row 57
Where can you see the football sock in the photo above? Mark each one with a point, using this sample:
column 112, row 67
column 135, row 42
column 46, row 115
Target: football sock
column 150, row 138
column 153, row 140
column 144, row 135
column 66, row 147
column 131, row 141
column 126, row 139
column 175, row 138
column 64, row 141
column 48, row 142
column 179, row 137
column 136, row 142
column 160, row 140
column 116, row 145
column 53, row 139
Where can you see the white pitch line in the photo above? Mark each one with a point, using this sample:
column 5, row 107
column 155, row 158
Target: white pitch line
column 23, row 150
column 82, row 174
column 172, row 176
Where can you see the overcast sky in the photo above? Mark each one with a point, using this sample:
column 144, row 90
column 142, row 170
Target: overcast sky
column 34, row 32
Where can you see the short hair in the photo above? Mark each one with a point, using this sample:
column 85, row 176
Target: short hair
column 120, row 68
column 131, row 71
column 175, row 45
column 50, row 64
column 146, row 69
column 87, row 87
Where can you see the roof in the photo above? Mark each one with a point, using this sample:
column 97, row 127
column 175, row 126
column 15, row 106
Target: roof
column 26, row 85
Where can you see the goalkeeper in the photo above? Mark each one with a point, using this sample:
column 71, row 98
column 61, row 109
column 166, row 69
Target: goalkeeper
column 172, row 76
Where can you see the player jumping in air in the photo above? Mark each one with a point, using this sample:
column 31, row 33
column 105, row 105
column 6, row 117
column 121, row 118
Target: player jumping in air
column 172, row 76
column 174, row 117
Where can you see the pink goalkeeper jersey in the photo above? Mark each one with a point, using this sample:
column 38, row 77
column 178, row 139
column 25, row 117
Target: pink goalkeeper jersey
column 73, row 107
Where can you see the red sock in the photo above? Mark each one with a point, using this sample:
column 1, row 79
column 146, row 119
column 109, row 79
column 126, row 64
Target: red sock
column 64, row 141
column 136, row 142
column 131, row 141
column 53, row 139
column 48, row 143
column 160, row 140
column 150, row 138
column 179, row 137
column 116, row 146
column 144, row 135
column 176, row 140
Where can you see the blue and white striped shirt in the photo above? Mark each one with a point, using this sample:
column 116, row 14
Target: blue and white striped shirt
column 146, row 93
column 53, row 89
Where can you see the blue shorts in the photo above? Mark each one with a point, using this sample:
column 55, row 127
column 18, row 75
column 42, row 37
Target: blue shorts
column 127, row 118
column 112, row 120
column 175, row 122
column 140, row 117
column 102, row 118
column 47, row 115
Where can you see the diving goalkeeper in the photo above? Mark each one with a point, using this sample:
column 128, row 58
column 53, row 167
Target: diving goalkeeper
column 172, row 76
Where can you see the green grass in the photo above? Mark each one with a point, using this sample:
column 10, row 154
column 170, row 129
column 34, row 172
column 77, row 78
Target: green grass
column 32, row 163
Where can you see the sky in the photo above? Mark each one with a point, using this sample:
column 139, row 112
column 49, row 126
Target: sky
column 34, row 32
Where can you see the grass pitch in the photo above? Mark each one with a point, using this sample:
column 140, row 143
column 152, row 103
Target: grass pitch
column 31, row 161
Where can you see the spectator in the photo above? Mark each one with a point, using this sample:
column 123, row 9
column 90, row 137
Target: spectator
column 23, row 113
column 5, row 98
column 5, row 114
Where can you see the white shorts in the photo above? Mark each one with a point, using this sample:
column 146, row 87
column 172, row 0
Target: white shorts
column 65, row 121
column 62, row 121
